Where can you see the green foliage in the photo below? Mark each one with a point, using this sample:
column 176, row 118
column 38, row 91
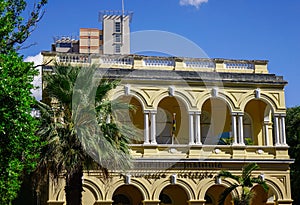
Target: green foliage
column 15, row 29
column 18, row 143
column 249, row 141
column 293, row 140
column 245, row 181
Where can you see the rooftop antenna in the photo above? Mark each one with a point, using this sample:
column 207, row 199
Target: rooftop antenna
column 123, row 8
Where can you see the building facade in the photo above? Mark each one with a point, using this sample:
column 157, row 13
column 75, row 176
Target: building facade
column 193, row 118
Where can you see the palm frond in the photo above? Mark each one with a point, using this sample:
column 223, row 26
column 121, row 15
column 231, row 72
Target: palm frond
column 261, row 182
column 227, row 174
column 247, row 170
column 225, row 193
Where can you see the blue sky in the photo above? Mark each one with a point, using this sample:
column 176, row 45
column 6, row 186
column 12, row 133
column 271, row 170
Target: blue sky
column 234, row 29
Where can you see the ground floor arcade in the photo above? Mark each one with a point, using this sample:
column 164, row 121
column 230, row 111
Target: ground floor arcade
column 176, row 183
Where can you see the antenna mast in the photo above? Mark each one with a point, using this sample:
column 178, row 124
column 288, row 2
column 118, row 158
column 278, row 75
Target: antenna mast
column 123, row 8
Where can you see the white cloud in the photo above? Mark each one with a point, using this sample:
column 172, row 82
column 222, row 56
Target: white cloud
column 37, row 81
column 195, row 3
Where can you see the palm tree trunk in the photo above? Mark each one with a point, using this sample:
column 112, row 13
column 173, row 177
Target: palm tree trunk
column 74, row 188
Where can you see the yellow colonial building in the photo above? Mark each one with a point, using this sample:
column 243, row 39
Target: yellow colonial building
column 194, row 117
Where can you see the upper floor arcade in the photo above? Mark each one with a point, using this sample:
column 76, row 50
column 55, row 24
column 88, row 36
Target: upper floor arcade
column 196, row 108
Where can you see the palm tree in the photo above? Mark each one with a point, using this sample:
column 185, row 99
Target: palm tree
column 245, row 181
column 76, row 129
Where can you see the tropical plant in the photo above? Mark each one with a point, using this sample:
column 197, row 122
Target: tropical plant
column 245, row 181
column 78, row 129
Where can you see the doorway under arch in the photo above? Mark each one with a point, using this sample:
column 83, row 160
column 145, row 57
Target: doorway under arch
column 212, row 195
column 261, row 116
column 128, row 111
column 215, row 121
column 127, row 195
column 168, row 110
column 173, row 195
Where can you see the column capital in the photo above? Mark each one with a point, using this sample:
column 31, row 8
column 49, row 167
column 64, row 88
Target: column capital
column 239, row 113
column 194, row 112
column 153, row 111
column 198, row 112
column 279, row 114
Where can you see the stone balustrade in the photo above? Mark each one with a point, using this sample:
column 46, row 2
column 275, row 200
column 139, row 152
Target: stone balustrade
column 209, row 151
column 160, row 63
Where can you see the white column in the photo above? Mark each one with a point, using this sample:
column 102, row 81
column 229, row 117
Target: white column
column 276, row 130
column 282, row 126
column 266, row 130
column 153, row 127
column 198, row 128
column 146, row 128
column 191, row 128
column 234, row 131
column 241, row 129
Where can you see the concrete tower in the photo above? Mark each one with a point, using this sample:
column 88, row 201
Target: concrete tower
column 116, row 31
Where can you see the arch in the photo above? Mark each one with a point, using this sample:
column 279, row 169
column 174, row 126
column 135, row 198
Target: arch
column 218, row 112
column 133, row 93
column 93, row 188
column 177, row 94
column 134, row 182
column 131, row 117
column 127, row 195
column 260, row 196
column 211, row 182
column 172, row 121
column 260, row 113
column 248, row 129
column 184, row 185
column 174, row 194
column 222, row 96
column 275, row 188
column 265, row 98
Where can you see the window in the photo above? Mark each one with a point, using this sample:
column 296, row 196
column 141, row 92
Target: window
column 118, row 27
column 101, row 47
column 101, row 37
column 117, row 48
column 117, row 38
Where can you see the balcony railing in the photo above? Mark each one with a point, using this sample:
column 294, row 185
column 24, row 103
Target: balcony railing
column 163, row 63
column 209, row 151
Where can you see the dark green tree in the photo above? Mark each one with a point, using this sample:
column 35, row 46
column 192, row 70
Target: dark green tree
column 245, row 181
column 18, row 143
column 293, row 140
column 79, row 129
